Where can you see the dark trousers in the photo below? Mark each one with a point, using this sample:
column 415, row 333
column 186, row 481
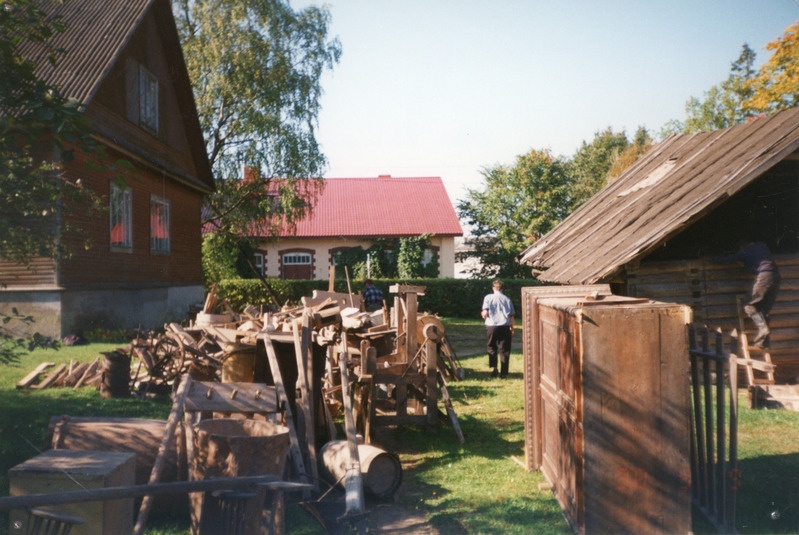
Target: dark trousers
column 764, row 293
column 498, row 344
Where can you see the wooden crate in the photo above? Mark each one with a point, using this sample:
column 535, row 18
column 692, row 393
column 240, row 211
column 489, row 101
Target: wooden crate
column 69, row 470
column 609, row 420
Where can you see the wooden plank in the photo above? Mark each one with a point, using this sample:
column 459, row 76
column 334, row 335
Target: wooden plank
column 431, row 368
column 166, row 443
column 51, row 377
column 305, row 405
column 89, row 372
column 294, row 446
column 153, row 489
column 28, row 380
column 212, row 396
column 453, row 418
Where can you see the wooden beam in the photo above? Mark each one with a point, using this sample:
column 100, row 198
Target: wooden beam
column 294, row 446
column 151, row 489
column 31, row 377
column 353, row 483
column 166, row 443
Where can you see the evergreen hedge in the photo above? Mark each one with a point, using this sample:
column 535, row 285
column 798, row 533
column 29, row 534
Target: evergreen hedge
column 459, row 298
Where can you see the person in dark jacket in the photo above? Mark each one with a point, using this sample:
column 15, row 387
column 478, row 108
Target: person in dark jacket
column 372, row 296
column 757, row 258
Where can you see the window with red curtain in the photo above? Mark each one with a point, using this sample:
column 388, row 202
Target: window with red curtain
column 121, row 233
column 159, row 225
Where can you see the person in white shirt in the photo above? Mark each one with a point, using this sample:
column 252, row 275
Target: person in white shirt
column 498, row 313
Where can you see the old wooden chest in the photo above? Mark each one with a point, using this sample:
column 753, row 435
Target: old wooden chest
column 56, row 471
column 608, row 408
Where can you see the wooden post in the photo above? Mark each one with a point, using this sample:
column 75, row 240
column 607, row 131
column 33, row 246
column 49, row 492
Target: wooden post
column 301, row 349
column 166, row 443
column 294, row 448
column 432, row 380
column 353, row 483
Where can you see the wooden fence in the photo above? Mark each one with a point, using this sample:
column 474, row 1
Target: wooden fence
column 715, row 477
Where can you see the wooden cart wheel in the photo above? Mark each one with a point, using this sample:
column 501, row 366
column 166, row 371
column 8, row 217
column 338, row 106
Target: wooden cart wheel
column 169, row 359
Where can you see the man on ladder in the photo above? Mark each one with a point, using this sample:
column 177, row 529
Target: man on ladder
column 757, row 258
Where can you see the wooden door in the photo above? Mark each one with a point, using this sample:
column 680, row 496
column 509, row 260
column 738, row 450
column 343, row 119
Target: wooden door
column 559, row 430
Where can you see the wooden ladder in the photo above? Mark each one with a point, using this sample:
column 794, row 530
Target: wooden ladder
column 763, row 364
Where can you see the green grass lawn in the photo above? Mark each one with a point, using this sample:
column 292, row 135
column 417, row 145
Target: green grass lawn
column 476, row 487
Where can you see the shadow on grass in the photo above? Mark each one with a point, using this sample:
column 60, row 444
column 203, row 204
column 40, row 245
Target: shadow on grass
column 768, row 501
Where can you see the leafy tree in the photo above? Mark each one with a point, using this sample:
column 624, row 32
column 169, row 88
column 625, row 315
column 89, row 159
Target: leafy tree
column 776, row 85
column 224, row 257
column 517, row 206
column 33, row 191
column 256, row 67
column 723, row 105
column 642, row 142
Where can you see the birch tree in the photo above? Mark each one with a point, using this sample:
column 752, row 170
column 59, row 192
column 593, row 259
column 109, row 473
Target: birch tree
column 256, row 67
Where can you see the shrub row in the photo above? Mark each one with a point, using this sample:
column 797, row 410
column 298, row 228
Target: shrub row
column 460, row 298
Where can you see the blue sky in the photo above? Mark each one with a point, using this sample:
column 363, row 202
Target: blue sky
column 449, row 87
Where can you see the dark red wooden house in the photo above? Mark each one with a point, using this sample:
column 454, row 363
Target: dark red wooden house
column 123, row 62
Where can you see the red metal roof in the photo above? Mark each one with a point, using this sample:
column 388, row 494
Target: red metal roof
column 380, row 207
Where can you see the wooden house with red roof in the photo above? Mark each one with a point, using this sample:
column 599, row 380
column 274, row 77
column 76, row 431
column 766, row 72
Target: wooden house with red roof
column 123, row 62
column 352, row 212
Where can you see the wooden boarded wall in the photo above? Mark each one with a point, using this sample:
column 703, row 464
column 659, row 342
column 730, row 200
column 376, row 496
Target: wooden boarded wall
column 712, row 289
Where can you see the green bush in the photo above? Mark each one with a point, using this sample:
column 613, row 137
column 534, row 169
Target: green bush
column 459, row 298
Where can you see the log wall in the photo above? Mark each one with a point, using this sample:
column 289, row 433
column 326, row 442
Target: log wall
column 712, row 289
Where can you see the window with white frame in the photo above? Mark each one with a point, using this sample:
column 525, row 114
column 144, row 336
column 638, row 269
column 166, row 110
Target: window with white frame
column 296, row 259
column 148, row 100
column 258, row 260
column 120, row 202
column 159, row 225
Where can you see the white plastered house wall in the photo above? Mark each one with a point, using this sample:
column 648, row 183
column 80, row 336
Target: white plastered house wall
column 319, row 252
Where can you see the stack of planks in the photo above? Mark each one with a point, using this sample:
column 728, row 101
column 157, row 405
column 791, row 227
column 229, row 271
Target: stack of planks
column 74, row 375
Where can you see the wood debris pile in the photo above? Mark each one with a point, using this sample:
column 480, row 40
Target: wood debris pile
column 336, row 372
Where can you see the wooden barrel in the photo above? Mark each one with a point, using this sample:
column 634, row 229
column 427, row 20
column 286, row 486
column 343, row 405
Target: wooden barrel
column 230, row 447
column 239, row 365
column 115, row 375
column 381, row 471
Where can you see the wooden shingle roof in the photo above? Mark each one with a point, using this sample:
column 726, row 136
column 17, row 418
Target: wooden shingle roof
column 675, row 184
column 95, row 33
column 380, row 207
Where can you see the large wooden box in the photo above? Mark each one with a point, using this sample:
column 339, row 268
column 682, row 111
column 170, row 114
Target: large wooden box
column 608, row 421
column 69, row 470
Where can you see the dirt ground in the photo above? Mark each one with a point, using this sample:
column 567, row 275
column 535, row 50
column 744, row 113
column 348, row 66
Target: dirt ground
column 383, row 517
